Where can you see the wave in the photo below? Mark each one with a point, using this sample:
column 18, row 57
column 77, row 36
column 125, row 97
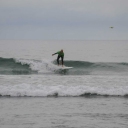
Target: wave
column 26, row 66
column 94, row 68
column 27, row 90
column 11, row 66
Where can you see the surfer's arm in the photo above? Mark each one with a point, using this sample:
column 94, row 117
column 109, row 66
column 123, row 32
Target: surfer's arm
column 54, row 54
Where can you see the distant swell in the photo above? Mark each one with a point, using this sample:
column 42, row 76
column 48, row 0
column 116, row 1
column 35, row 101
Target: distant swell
column 11, row 66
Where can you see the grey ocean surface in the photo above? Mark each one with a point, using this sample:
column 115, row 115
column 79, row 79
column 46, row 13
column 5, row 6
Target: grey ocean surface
column 35, row 94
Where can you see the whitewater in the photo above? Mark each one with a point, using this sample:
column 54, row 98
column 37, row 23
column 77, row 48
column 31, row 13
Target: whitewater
column 34, row 93
column 85, row 79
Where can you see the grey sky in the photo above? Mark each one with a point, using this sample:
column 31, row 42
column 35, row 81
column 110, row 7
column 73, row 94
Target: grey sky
column 64, row 19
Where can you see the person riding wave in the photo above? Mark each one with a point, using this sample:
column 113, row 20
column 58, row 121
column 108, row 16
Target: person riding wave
column 60, row 55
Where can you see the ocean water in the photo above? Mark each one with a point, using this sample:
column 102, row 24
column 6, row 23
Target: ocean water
column 35, row 94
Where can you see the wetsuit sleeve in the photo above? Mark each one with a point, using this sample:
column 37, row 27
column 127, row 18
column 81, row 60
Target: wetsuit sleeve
column 55, row 53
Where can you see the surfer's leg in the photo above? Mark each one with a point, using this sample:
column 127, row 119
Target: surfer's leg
column 62, row 60
column 58, row 59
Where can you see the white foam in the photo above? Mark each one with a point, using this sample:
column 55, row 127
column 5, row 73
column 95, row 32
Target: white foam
column 60, row 90
column 42, row 66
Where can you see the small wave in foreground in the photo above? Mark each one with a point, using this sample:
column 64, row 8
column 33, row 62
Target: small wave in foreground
column 27, row 90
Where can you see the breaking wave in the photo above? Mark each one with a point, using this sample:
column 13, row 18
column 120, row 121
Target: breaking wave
column 26, row 66
column 27, row 90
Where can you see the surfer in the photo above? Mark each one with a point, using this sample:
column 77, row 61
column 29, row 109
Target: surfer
column 60, row 55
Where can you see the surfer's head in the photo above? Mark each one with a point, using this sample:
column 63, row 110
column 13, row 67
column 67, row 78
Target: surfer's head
column 61, row 50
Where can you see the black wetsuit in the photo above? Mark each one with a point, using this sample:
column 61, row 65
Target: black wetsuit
column 62, row 58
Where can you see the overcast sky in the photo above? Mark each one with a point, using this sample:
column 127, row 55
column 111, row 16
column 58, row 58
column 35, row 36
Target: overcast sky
column 64, row 19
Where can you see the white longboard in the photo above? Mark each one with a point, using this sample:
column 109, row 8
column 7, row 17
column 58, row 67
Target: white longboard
column 63, row 67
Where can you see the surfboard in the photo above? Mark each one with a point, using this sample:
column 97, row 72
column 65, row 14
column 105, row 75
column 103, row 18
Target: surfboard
column 64, row 67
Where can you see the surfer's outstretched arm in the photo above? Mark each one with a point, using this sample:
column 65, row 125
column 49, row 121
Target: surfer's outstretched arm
column 54, row 54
